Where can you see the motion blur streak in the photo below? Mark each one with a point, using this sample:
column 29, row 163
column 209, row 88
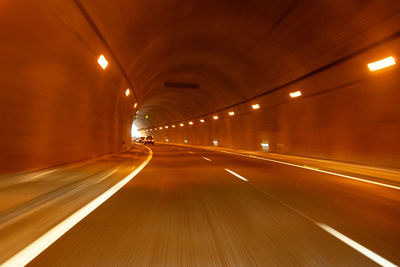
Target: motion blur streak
column 30, row 252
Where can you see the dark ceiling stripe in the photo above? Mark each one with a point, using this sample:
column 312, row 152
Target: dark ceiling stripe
column 106, row 44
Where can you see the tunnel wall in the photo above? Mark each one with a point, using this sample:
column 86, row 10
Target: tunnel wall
column 346, row 113
column 56, row 104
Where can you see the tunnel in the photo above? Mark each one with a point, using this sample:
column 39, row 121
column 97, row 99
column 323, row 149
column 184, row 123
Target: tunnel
column 306, row 90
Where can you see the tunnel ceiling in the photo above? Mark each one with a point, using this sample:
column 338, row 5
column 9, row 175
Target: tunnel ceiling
column 233, row 50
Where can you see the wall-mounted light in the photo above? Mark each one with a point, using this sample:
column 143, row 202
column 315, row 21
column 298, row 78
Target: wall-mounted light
column 102, row 62
column 127, row 92
column 160, row 128
column 190, row 122
column 295, row 94
column 185, row 141
column 231, row 113
column 134, row 106
column 215, row 117
column 173, row 126
column 215, row 142
column 181, row 124
column 255, row 106
column 166, row 140
column 166, row 126
column 381, row 64
column 201, row 120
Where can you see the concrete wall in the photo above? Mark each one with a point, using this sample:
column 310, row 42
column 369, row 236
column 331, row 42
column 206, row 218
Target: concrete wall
column 56, row 104
column 346, row 113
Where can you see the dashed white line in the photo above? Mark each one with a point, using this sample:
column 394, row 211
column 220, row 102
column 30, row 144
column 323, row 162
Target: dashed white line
column 363, row 250
column 317, row 170
column 237, row 175
column 207, row 159
column 27, row 254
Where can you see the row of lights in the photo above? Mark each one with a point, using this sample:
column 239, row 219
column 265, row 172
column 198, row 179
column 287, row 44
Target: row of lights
column 216, row 117
column 103, row 64
column 374, row 66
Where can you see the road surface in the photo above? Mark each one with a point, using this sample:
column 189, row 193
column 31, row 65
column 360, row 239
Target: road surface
column 193, row 207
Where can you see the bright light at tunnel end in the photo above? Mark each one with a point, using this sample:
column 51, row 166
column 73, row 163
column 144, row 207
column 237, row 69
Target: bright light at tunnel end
column 102, row 62
column 381, row 64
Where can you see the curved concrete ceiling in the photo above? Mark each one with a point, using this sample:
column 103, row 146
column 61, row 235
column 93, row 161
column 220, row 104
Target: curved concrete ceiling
column 233, row 50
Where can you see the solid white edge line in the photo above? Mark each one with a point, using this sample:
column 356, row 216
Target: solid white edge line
column 237, row 175
column 312, row 169
column 363, row 250
column 27, row 254
column 206, row 158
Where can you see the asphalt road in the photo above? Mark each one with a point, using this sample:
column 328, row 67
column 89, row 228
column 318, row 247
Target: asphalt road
column 192, row 207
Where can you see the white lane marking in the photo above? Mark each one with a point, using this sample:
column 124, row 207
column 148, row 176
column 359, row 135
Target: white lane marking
column 27, row 254
column 237, row 175
column 363, row 250
column 317, row 170
column 206, row 158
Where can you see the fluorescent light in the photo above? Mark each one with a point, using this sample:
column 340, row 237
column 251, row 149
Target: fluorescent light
column 127, row 92
column 134, row 106
column 231, row 113
column 173, row 126
column 215, row 117
column 215, row 142
column 166, row 127
column 185, row 141
column 295, row 94
column 381, row 64
column 190, row 122
column 166, row 140
column 255, row 106
column 264, row 145
column 181, row 124
column 102, row 61
column 201, row 120
column 161, row 128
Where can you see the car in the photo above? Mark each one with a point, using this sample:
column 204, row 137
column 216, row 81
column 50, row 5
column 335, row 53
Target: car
column 141, row 139
column 149, row 140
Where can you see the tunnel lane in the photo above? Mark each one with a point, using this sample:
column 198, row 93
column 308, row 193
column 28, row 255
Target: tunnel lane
column 183, row 209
